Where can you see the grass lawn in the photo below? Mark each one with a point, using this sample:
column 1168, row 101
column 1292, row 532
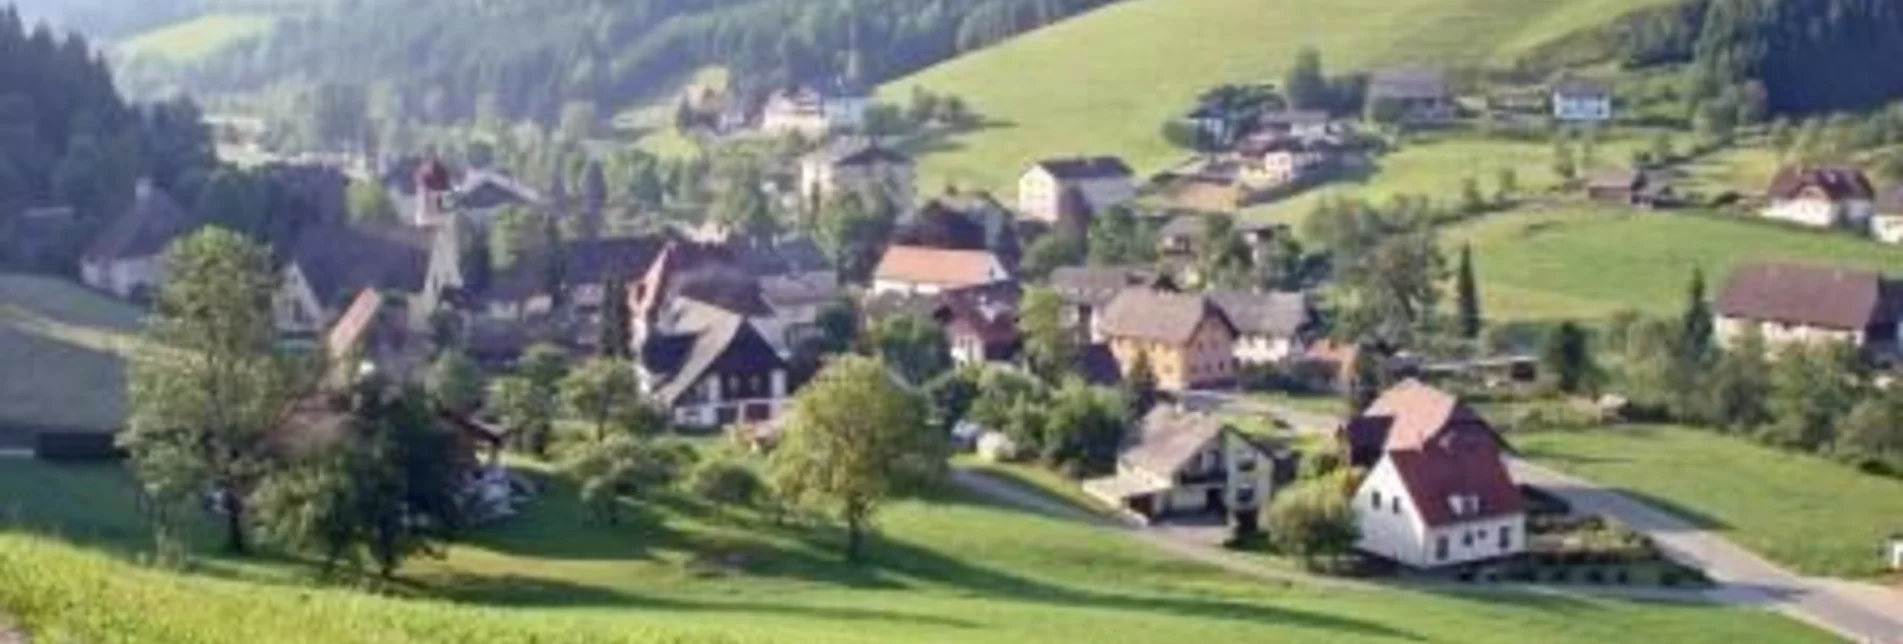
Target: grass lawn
column 953, row 570
column 1585, row 263
column 62, row 353
column 1106, row 81
column 1816, row 516
column 194, row 39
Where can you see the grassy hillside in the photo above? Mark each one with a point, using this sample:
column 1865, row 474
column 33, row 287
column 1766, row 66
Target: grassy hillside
column 61, row 355
column 955, row 570
column 1819, row 517
column 1588, row 263
column 1106, row 81
column 196, row 38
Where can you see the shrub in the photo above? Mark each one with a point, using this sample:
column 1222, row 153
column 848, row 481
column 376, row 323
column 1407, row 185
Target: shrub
column 1312, row 522
column 726, row 482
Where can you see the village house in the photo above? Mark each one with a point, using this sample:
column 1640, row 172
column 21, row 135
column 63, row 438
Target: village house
column 1886, row 224
column 859, row 166
column 1281, row 161
column 1186, row 339
column 1300, row 124
column 928, row 271
column 329, row 265
column 1271, row 327
column 1796, row 303
column 1055, row 190
column 1822, row 197
column 963, row 221
column 127, row 258
column 778, row 290
column 370, row 336
column 809, row 113
column 1629, row 187
column 1087, row 290
column 709, row 368
column 1440, row 493
column 1412, row 94
column 1579, row 100
column 1181, row 464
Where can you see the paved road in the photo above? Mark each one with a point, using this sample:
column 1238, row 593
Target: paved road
column 1854, row 613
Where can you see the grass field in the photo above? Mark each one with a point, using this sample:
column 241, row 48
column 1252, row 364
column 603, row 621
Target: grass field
column 61, row 355
column 196, row 38
column 1105, row 82
column 954, row 570
column 1818, row 517
column 1587, row 263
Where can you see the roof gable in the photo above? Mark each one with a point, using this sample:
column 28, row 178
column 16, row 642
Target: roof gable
column 144, row 229
column 1834, row 298
column 1448, row 487
column 1836, row 183
column 1423, row 416
column 1149, row 314
column 1274, row 314
column 1168, row 438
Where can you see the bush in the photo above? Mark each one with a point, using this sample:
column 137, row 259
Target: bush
column 726, row 482
column 1312, row 521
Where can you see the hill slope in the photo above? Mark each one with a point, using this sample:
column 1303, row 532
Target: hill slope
column 61, row 356
column 1107, row 80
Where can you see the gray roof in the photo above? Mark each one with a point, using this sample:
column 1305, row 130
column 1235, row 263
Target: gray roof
column 1082, row 168
column 1408, row 82
column 859, row 151
column 1096, row 285
column 1160, row 316
column 1274, row 314
column 700, row 339
column 147, row 226
column 1191, row 226
column 796, row 289
column 1582, row 88
column 1169, row 438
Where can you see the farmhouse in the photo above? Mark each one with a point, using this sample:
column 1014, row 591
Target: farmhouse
column 709, row 367
column 963, row 221
column 1091, row 183
column 1301, row 124
column 330, row 265
column 856, row 165
column 1270, row 327
column 1087, row 290
column 1794, row 303
column 1628, row 187
column 1439, row 493
column 1823, row 197
column 1578, row 100
column 1186, row 339
column 1887, row 222
column 981, row 324
column 1275, row 162
column 1181, row 463
column 1412, row 94
column 928, row 271
column 126, row 259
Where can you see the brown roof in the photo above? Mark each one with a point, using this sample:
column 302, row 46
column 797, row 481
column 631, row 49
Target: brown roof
column 1435, row 478
column 1408, row 82
column 1833, row 298
column 1150, row 314
column 920, row 265
column 1424, row 416
column 1836, row 182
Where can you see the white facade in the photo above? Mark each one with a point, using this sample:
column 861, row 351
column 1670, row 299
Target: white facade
column 1582, row 108
column 124, row 277
column 1778, row 334
column 705, row 404
column 1887, row 228
column 1392, row 527
column 819, row 177
column 295, row 307
column 1041, row 194
column 1820, row 212
column 1228, row 470
column 1263, row 349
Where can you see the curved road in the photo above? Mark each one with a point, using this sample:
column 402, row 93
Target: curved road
column 1743, row 577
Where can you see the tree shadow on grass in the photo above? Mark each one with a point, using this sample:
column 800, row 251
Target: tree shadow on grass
column 944, row 140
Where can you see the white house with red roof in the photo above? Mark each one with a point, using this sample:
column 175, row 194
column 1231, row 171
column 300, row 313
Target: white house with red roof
column 918, row 270
column 1440, row 495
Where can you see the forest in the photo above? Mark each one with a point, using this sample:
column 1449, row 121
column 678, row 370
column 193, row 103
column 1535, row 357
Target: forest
column 1793, row 57
column 525, row 60
column 67, row 138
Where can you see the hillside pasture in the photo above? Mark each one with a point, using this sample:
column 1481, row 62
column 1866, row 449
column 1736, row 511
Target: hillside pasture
column 196, row 38
column 1819, row 517
column 62, row 357
column 1587, row 262
column 955, row 569
column 1105, row 82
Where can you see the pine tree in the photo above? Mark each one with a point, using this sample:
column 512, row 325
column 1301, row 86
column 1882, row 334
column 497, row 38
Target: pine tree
column 1139, row 385
column 1467, row 295
column 615, row 339
column 1695, row 339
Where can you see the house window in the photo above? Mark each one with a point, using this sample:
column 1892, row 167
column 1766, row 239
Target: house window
column 1467, row 539
column 1376, row 500
column 1245, row 496
column 1440, row 548
column 1395, row 504
column 1506, row 538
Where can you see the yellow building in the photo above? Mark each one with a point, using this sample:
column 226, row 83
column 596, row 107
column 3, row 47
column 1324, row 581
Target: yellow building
column 1186, row 339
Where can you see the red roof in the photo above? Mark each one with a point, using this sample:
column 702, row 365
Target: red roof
column 347, row 334
column 433, row 175
column 1423, row 415
column 1467, row 482
column 950, row 268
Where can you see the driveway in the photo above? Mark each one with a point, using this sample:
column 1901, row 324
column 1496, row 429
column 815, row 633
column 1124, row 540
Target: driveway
column 1854, row 612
